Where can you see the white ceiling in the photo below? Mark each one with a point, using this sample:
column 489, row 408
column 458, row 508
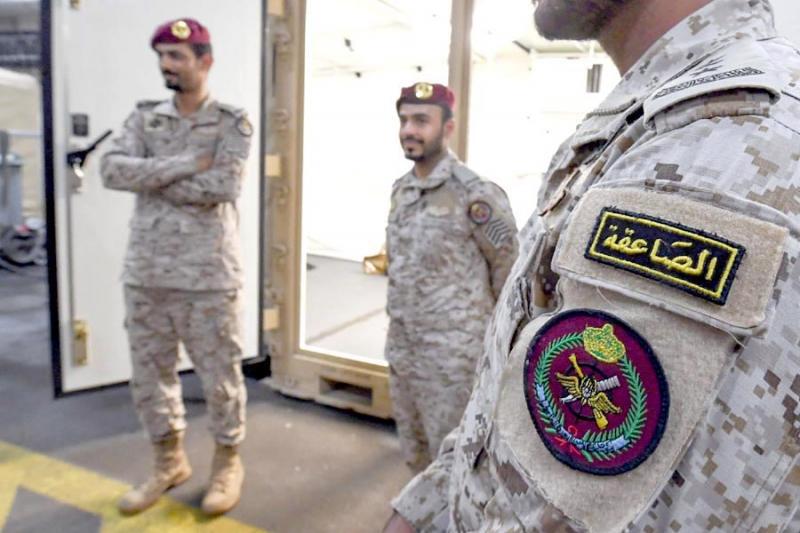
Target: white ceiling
column 363, row 36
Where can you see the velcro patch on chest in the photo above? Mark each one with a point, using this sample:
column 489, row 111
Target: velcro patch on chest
column 156, row 123
column 687, row 258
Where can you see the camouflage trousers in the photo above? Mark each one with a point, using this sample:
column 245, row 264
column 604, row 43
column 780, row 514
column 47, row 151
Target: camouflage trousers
column 431, row 374
column 208, row 325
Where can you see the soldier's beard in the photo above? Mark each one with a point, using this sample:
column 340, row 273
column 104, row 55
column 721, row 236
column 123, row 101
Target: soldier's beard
column 172, row 81
column 578, row 20
column 430, row 150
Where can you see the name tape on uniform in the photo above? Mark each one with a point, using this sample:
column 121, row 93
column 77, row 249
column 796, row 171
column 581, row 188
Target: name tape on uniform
column 689, row 259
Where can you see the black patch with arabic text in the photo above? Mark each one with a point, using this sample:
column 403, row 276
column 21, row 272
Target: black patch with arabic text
column 689, row 259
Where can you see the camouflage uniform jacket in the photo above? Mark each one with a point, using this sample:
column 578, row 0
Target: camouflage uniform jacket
column 184, row 229
column 708, row 123
column 451, row 241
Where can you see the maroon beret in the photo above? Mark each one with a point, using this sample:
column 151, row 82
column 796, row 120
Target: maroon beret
column 181, row 31
column 427, row 93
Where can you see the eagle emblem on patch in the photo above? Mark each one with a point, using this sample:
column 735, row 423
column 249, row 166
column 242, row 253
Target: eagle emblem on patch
column 596, row 392
column 480, row 212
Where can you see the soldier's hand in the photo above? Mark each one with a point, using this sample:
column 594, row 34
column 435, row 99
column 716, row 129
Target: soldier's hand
column 398, row 524
column 204, row 162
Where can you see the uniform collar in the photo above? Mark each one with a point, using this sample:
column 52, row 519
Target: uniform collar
column 707, row 29
column 208, row 110
column 410, row 186
column 440, row 173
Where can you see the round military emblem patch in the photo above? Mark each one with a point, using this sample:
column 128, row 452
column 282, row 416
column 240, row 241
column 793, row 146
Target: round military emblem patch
column 596, row 392
column 480, row 212
column 244, row 126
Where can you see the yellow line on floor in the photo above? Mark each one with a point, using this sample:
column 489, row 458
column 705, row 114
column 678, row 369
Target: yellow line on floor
column 93, row 493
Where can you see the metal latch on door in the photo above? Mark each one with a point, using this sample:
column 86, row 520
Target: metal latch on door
column 77, row 158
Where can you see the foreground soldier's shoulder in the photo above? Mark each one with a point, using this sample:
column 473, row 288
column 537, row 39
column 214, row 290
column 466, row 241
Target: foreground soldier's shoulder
column 741, row 78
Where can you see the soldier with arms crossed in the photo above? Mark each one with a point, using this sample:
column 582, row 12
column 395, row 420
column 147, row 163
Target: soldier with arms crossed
column 184, row 159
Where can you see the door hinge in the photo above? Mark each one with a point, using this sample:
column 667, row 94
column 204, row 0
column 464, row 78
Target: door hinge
column 80, row 343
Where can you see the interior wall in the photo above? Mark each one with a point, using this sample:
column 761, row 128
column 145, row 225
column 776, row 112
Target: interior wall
column 22, row 20
column 109, row 67
column 522, row 108
column 353, row 156
column 787, row 18
column 352, row 152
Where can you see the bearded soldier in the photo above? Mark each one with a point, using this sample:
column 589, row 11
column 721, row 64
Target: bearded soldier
column 184, row 160
column 451, row 240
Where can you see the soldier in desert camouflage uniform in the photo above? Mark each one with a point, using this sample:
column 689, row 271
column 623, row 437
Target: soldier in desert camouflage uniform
column 667, row 224
column 451, row 240
column 184, row 159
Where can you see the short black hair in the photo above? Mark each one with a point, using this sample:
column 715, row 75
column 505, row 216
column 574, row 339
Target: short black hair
column 200, row 49
column 447, row 113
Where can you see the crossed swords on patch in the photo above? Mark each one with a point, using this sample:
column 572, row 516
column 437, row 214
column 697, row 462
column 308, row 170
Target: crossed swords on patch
column 588, row 391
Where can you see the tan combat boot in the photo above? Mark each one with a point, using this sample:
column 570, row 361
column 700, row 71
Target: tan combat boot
column 171, row 469
column 227, row 474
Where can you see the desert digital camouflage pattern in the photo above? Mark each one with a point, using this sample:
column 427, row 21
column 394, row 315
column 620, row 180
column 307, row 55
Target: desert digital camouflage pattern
column 710, row 115
column 182, row 271
column 184, row 229
column 451, row 241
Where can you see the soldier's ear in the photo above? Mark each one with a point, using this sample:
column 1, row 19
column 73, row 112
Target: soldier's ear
column 207, row 60
column 449, row 126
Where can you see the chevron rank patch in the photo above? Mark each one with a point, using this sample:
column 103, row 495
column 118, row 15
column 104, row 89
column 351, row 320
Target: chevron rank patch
column 596, row 392
column 689, row 259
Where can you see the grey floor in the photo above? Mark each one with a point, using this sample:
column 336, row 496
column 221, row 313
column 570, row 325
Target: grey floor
column 309, row 468
column 345, row 309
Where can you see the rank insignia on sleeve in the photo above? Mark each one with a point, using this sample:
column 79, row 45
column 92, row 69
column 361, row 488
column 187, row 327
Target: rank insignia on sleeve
column 480, row 212
column 688, row 259
column 596, row 392
column 735, row 73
